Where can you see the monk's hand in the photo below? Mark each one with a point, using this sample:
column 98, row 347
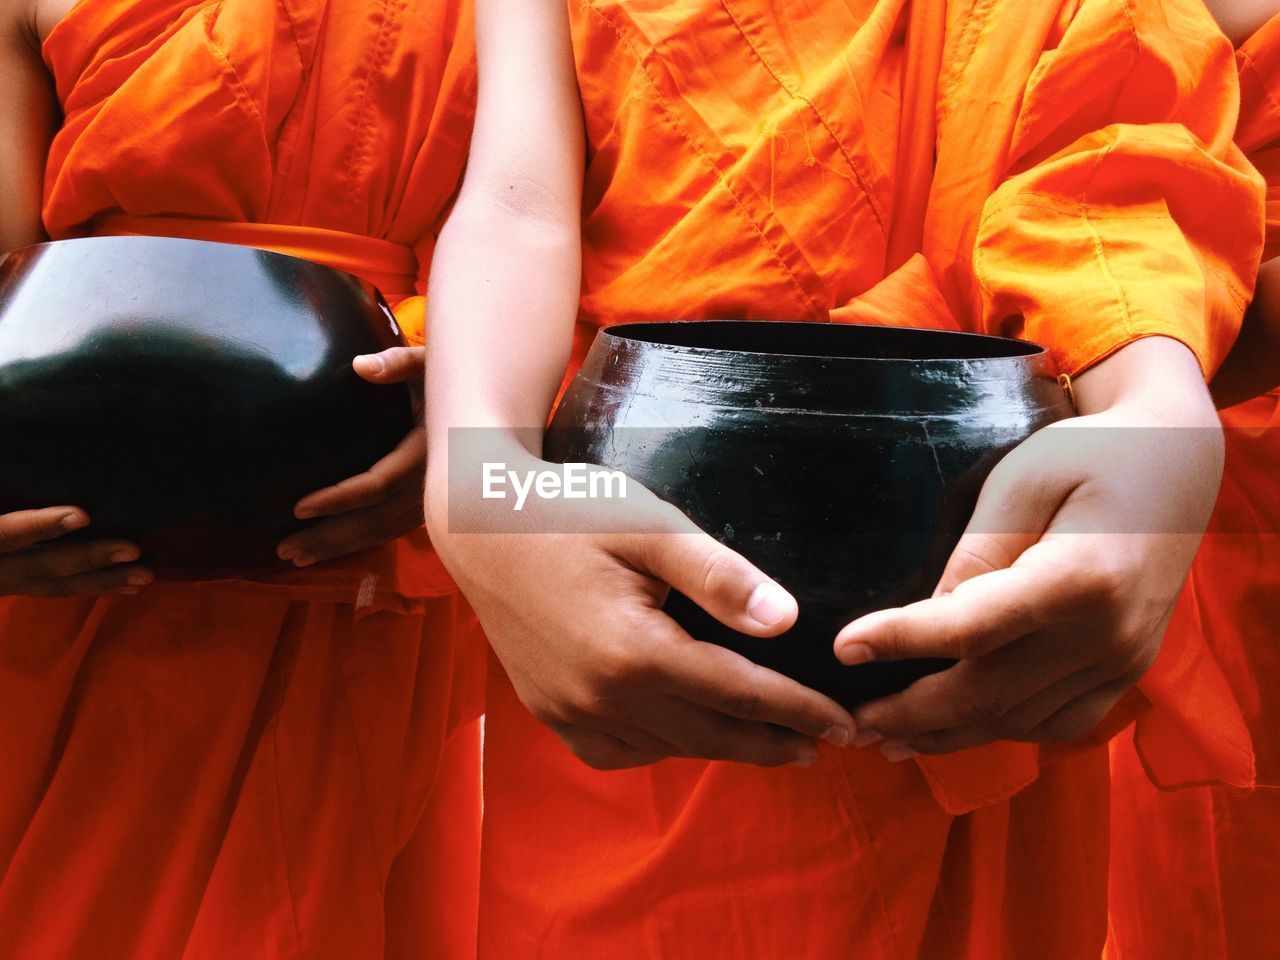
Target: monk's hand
column 573, row 609
column 33, row 563
column 1056, row 600
column 379, row 505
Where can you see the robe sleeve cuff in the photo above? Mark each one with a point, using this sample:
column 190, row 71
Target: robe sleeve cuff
column 1118, row 238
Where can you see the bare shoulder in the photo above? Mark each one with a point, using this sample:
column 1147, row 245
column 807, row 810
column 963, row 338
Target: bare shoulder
column 1240, row 19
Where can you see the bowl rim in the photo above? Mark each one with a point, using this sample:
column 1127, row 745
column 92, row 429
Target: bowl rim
column 1012, row 348
column 143, row 239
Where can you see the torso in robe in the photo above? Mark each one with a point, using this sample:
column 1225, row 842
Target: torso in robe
column 283, row 767
column 1056, row 171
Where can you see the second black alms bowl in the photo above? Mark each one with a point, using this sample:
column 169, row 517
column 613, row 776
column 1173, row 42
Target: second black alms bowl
column 187, row 394
column 844, row 461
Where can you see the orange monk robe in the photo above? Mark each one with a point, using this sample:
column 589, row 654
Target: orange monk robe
column 1196, row 872
column 776, row 160
column 286, row 767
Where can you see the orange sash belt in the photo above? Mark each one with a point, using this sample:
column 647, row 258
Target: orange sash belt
column 391, row 267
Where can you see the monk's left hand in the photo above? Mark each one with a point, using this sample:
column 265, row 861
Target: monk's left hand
column 379, row 505
column 1056, row 600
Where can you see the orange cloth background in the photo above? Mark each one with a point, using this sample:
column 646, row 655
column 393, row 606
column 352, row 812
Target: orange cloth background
column 288, row 766
column 777, row 160
column 1197, row 872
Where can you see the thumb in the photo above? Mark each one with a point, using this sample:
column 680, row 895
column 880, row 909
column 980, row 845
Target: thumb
column 720, row 581
column 982, row 552
column 395, row 365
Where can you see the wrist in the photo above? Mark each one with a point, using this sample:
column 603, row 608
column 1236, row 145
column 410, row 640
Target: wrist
column 459, row 462
column 1153, row 380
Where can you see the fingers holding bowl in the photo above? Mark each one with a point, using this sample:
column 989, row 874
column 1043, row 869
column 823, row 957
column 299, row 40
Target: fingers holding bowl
column 23, row 528
column 394, row 365
column 355, row 530
column 74, row 569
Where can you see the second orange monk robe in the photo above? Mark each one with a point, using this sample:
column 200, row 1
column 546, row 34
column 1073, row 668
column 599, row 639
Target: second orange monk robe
column 1059, row 171
column 288, row 766
column 1196, row 872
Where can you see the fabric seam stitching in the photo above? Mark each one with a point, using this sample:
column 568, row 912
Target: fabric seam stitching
column 642, row 67
column 795, row 94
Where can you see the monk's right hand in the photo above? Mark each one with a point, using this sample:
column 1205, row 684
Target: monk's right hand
column 576, row 619
column 33, row 564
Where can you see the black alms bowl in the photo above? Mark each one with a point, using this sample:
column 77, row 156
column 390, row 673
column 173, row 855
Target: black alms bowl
column 185, row 393
column 842, row 460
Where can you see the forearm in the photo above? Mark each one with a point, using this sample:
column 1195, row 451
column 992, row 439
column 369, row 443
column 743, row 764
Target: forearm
column 1152, row 390
column 1156, row 378
column 506, row 274
column 26, row 126
column 504, row 295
